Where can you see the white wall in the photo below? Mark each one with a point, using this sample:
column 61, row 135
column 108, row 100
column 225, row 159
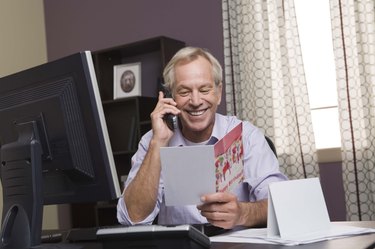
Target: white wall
column 23, row 39
column 23, row 45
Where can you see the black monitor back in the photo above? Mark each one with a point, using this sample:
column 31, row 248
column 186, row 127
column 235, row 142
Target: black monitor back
column 54, row 142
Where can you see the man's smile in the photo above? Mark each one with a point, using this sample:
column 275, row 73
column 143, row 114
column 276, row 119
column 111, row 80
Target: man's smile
column 197, row 113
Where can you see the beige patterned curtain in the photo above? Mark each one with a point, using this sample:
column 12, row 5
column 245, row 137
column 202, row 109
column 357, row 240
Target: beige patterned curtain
column 353, row 28
column 265, row 81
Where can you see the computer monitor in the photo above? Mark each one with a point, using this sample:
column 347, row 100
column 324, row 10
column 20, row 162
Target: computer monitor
column 54, row 145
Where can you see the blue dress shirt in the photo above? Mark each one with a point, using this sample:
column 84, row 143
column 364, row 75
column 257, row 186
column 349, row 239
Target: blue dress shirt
column 260, row 168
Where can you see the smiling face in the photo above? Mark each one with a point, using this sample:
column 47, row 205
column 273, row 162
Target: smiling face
column 197, row 97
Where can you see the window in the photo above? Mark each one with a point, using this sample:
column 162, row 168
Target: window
column 314, row 27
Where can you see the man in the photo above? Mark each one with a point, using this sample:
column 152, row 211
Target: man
column 194, row 78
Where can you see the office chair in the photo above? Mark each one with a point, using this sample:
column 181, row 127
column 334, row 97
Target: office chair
column 272, row 146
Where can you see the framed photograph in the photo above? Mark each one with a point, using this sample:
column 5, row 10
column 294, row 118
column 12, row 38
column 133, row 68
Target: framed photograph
column 127, row 80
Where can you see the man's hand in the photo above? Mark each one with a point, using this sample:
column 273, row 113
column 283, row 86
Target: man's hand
column 161, row 132
column 224, row 210
column 221, row 209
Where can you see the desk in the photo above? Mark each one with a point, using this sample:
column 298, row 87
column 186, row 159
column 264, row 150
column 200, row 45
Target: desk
column 355, row 242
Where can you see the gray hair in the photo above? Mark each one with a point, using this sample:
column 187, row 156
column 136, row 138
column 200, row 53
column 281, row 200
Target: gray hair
column 189, row 54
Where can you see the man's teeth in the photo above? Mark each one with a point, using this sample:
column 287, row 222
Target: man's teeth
column 197, row 113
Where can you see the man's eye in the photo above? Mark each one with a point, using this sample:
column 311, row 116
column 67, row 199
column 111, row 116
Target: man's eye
column 205, row 90
column 183, row 93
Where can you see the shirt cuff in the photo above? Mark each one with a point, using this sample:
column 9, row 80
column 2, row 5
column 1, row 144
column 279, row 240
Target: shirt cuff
column 123, row 216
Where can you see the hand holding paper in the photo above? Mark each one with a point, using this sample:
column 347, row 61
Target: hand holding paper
column 221, row 209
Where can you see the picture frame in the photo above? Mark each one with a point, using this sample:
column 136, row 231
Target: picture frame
column 127, row 80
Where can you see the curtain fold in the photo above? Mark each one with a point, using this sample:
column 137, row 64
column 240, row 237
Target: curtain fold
column 264, row 79
column 353, row 29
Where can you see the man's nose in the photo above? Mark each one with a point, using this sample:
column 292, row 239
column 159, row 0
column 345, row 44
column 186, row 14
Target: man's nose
column 195, row 98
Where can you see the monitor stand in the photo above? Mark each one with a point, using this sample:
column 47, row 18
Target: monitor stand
column 21, row 178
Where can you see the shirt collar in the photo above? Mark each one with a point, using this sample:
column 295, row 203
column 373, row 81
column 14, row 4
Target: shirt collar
column 178, row 140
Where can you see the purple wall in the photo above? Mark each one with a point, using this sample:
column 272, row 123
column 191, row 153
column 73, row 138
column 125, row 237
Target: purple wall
column 333, row 189
column 73, row 26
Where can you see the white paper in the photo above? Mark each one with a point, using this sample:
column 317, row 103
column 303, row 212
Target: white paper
column 183, row 169
column 260, row 235
column 297, row 214
column 297, row 208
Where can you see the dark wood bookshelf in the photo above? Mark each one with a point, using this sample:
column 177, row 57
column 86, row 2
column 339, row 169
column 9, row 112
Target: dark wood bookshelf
column 127, row 118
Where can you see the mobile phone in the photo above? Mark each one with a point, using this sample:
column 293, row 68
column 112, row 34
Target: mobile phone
column 171, row 121
column 169, row 118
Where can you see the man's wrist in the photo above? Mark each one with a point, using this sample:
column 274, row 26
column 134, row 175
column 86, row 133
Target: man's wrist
column 157, row 143
column 253, row 213
column 244, row 213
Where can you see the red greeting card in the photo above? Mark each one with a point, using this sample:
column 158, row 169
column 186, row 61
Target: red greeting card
column 229, row 160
